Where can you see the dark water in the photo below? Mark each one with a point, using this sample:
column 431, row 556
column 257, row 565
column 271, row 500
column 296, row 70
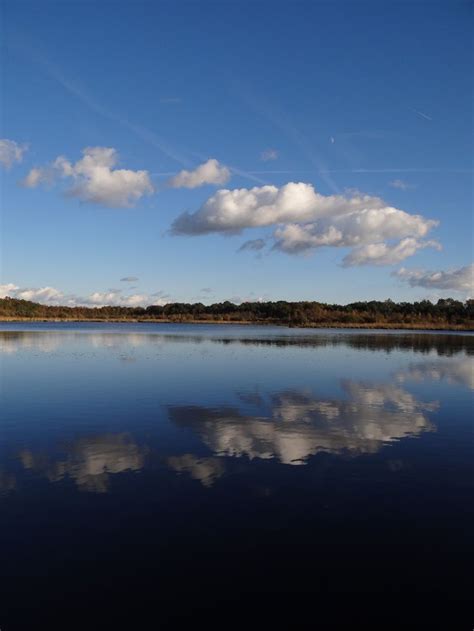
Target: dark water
column 215, row 474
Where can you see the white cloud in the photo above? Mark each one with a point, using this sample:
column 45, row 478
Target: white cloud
column 94, row 179
column 43, row 294
column 210, row 172
column 269, row 154
column 53, row 296
column 11, row 152
column 234, row 210
column 365, row 227
column 387, row 254
column 461, row 279
column 118, row 299
column 129, row 279
column 307, row 220
column 8, row 290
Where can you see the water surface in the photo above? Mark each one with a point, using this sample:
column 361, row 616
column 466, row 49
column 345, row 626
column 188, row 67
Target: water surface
column 199, row 468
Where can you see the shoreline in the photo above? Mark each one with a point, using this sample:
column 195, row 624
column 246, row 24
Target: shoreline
column 310, row 325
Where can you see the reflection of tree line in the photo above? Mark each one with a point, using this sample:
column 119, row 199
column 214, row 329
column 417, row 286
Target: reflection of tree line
column 419, row 343
column 442, row 344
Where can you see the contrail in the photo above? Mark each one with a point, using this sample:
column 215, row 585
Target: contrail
column 248, row 174
column 73, row 88
column 415, row 170
column 280, row 121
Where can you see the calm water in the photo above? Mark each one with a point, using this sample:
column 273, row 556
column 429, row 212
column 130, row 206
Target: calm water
column 184, row 470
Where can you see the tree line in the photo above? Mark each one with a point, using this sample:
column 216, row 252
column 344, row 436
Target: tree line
column 445, row 312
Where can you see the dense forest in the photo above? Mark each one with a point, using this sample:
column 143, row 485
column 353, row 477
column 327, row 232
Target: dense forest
column 445, row 313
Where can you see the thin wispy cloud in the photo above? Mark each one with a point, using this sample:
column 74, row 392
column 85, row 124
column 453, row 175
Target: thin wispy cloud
column 404, row 170
column 269, row 154
column 278, row 172
column 285, row 125
column 171, row 100
column 249, row 175
column 400, row 184
column 422, row 114
column 81, row 93
column 11, row 152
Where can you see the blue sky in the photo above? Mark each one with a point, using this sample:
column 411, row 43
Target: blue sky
column 367, row 105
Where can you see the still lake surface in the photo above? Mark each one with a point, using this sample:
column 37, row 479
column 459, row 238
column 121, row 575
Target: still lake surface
column 198, row 468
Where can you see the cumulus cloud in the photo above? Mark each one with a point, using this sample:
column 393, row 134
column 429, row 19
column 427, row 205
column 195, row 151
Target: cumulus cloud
column 116, row 298
column 112, row 298
column 253, row 245
column 461, row 279
column 387, row 254
column 233, row 210
column 8, row 290
column 269, row 154
column 45, row 295
column 210, row 172
column 94, row 178
column 307, row 220
column 11, row 152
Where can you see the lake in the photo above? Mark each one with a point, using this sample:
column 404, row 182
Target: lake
column 207, row 472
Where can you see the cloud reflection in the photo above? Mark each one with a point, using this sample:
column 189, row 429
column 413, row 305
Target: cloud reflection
column 13, row 341
column 90, row 462
column 299, row 424
column 460, row 372
column 147, row 336
column 206, row 470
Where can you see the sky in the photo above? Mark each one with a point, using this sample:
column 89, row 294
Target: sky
column 236, row 150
